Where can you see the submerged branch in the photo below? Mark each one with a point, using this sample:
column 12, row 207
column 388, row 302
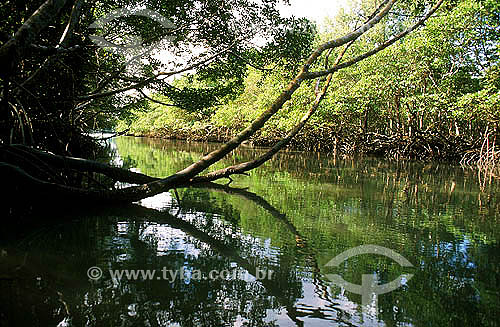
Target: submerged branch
column 85, row 165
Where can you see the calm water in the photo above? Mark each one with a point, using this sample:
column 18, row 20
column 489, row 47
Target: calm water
column 290, row 217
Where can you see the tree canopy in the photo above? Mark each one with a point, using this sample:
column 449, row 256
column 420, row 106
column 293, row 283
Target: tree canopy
column 60, row 84
column 431, row 95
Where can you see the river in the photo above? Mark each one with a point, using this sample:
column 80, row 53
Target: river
column 258, row 252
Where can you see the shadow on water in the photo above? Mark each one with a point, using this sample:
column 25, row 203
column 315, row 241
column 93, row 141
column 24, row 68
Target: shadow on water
column 291, row 217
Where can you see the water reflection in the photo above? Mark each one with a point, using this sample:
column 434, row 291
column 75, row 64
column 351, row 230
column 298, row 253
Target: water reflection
column 291, row 217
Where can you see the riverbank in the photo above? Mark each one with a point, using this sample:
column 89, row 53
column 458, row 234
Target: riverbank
column 325, row 138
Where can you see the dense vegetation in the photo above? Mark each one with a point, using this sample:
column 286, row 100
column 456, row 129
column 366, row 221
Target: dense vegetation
column 59, row 85
column 400, row 78
column 374, row 81
column 435, row 94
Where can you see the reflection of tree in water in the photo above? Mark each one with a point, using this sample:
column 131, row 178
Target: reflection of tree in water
column 451, row 285
column 131, row 238
column 158, row 302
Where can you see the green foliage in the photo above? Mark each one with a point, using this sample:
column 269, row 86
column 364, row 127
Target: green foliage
column 441, row 80
column 51, row 101
column 293, row 45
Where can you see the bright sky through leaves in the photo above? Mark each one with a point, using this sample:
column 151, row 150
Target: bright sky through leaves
column 315, row 10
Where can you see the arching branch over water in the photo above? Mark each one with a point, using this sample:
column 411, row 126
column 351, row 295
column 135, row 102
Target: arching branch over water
column 37, row 182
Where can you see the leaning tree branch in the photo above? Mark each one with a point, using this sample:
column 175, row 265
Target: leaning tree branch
column 382, row 46
column 116, row 173
column 154, row 78
column 187, row 175
column 249, row 165
column 206, row 161
column 135, row 193
column 154, row 100
column 191, row 171
column 62, row 46
column 12, row 51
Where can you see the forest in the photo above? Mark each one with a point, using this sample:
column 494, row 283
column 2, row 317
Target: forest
column 402, row 79
column 433, row 95
column 224, row 135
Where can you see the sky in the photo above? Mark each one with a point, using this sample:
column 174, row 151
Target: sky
column 315, row 10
